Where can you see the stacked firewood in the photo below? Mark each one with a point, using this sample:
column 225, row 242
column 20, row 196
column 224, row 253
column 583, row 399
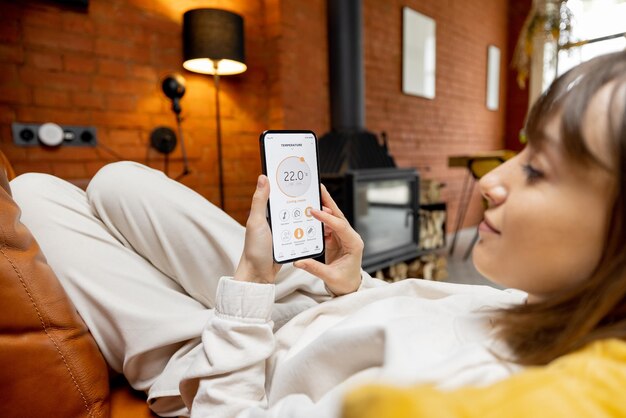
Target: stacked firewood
column 432, row 229
column 432, row 215
column 428, row 267
column 430, row 191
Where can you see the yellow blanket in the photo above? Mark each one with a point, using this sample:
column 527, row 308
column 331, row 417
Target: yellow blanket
column 588, row 383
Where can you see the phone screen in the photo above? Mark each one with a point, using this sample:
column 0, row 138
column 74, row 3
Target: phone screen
column 290, row 163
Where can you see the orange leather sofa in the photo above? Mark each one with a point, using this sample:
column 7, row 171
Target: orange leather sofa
column 50, row 365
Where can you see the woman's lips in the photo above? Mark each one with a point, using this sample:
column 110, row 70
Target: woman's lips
column 486, row 227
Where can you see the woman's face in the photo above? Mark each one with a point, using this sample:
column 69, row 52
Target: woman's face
column 548, row 217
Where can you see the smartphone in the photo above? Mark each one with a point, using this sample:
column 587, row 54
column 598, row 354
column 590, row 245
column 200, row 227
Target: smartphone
column 290, row 162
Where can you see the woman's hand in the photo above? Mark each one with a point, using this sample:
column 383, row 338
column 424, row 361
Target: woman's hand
column 256, row 263
column 344, row 250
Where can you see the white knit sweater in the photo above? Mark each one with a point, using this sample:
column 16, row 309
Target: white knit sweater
column 409, row 332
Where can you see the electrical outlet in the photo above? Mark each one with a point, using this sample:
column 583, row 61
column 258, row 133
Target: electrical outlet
column 26, row 135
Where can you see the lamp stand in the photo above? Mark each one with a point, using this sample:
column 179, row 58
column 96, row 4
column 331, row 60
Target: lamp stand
column 216, row 80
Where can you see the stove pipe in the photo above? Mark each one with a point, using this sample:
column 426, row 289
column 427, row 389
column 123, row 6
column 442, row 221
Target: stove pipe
column 345, row 53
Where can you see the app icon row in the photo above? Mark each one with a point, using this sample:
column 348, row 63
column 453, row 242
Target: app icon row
column 295, row 214
column 298, row 233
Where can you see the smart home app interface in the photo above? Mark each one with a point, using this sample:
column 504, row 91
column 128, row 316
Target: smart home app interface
column 291, row 164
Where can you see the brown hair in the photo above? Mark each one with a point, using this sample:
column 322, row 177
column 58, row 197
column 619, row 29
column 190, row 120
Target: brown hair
column 539, row 332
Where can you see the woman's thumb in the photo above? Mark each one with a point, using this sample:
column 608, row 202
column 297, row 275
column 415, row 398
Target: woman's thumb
column 259, row 199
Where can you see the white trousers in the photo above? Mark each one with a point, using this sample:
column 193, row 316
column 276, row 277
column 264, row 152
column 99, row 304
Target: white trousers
column 140, row 256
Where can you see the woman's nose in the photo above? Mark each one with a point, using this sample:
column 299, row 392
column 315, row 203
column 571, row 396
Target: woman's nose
column 492, row 188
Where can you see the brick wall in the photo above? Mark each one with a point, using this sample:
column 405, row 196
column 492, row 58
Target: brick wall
column 103, row 67
column 304, row 65
column 422, row 133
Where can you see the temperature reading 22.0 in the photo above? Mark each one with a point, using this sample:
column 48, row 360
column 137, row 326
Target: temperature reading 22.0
column 294, row 176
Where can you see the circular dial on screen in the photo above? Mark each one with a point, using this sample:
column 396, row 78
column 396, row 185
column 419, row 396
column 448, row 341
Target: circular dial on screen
column 294, row 176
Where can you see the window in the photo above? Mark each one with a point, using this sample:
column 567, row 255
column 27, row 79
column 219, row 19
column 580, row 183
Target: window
column 598, row 27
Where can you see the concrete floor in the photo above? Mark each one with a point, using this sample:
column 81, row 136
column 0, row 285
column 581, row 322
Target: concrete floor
column 459, row 270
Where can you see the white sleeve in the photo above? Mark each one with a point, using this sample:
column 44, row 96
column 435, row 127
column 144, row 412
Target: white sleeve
column 228, row 376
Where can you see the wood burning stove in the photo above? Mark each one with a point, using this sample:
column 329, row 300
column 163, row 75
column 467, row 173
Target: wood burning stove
column 382, row 205
column 380, row 201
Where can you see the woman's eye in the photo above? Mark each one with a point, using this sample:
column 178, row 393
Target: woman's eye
column 532, row 174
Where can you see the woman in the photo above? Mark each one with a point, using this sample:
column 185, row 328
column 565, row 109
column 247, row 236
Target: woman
column 142, row 256
column 575, row 318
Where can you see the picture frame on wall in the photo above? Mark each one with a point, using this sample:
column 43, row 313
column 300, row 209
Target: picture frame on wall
column 418, row 54
column 493, row 77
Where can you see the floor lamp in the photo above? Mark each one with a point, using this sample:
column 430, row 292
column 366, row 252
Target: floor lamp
column 213, row 43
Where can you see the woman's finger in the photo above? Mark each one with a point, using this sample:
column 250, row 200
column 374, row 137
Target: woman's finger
column 348, row 236
column 327, row 200
column 327, row 230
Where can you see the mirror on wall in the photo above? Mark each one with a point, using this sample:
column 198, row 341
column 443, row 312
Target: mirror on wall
column 418, row 54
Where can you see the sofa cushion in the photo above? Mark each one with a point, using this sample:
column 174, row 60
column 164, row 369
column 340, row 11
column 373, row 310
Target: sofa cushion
column 50, row 365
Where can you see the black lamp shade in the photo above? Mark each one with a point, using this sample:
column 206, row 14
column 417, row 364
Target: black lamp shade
column 213, row 36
